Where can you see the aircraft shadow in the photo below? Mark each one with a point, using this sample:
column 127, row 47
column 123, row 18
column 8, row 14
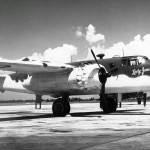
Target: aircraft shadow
column 86, row 114
column 75, row 114
column 27, row 117
column 129, row 112
column 20, row 112
column 118, row 112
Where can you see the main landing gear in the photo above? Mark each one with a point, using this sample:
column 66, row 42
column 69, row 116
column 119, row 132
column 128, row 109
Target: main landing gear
column 110, row 105
column 61, row 107
column 140, row 97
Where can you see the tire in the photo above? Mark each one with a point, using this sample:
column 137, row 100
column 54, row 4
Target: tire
column 110, row 106
column 67, row 106
column 139, row 101
column 60, row 108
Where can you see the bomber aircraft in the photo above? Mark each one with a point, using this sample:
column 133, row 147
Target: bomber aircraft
column 109, row 78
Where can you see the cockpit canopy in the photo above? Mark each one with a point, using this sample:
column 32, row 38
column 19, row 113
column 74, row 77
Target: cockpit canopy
column 133, row 60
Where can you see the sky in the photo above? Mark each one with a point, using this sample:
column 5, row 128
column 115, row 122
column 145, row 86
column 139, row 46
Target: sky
column 55, row 30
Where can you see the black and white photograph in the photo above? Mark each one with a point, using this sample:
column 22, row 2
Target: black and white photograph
column 74, row 74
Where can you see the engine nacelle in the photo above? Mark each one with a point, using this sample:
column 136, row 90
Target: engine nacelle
column 82, row 80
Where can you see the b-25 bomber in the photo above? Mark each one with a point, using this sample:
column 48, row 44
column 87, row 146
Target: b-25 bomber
column 109, row 78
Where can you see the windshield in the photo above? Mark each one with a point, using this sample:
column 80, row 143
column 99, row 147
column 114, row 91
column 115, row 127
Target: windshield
column 141, row 60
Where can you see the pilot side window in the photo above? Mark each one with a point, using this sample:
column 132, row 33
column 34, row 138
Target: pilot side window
column 133, row 62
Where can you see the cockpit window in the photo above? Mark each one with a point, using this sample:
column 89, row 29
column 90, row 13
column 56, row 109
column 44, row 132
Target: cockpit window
column 137, row 61
column 133, row 61
column 141, row 60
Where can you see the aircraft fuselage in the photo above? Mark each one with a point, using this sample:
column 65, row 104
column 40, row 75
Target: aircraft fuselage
column 133, row 76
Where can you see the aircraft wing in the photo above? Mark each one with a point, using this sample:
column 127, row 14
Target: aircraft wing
column 33, row 67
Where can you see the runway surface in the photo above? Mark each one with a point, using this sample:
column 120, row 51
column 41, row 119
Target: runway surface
column 24, row 128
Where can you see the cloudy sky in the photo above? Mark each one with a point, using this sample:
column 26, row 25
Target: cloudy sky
column 56, row 29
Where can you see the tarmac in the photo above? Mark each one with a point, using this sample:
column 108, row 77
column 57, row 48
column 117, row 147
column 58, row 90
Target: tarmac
column 86, row 128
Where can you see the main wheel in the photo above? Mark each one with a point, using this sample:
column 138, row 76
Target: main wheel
column 67, row 106
column 110, row 105
column 61, row 107
column 139, row 101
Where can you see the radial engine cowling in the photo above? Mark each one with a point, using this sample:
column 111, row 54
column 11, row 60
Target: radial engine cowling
column 85, row 78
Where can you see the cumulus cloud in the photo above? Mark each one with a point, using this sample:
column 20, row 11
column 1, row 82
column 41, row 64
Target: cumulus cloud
column 138, row 46
column 37, row 56
column 59, row 54
column 62, row 54
column 79, row 32
column 117, row 49
column 4, row 59
column 97, row 50
column 91, row 35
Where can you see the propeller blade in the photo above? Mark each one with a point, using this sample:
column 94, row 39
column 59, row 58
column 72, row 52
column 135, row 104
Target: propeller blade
column 103, row 103
column 102, row 93
column 95, row 58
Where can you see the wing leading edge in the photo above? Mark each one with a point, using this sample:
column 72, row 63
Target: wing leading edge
column 34, row 67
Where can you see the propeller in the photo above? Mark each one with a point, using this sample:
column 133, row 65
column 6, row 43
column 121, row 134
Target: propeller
column 103, row 75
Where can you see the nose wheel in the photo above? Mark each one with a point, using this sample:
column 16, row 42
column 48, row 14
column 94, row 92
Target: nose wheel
column 61, row 107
